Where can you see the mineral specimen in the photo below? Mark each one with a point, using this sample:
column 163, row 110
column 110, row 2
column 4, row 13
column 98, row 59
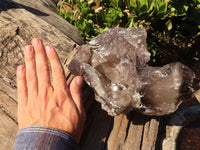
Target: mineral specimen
column 114, row 64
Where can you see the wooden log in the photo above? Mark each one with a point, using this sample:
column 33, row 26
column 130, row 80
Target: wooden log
column 20, row 21
column 7, row 131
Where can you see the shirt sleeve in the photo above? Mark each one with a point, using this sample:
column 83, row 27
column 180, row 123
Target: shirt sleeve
column 43, row 138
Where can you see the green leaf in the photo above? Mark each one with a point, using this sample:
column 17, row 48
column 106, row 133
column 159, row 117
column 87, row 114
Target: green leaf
column 162, row 8
column 143, row 2
column 112, row 17
column 91, row 16
column 162, row 11
column 185, row 7
column 143, row 8
column 81, row 1
column 151, row 7
column 169, row 25
column 114, row 3
column 131, row 4
column 85, row 11
column 69, row 17
column 130, row 23
column 60, row 3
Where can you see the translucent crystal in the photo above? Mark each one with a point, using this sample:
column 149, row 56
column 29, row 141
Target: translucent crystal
column 114, row 64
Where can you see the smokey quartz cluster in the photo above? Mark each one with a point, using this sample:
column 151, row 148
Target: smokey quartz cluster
column 114, row 64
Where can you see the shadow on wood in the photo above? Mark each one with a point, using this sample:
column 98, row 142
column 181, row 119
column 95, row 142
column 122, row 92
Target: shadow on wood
column 9, row 4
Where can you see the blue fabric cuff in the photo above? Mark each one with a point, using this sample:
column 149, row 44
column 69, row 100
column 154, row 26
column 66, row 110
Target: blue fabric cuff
column 43, row 138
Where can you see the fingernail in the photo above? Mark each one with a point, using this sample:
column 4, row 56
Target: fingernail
column 48, row 49
column 79, row 81
column 35, row 41
column 28, row 49
column 20, row 69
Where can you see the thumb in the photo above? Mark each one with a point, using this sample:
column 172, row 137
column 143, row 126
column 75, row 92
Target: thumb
column 76, row 91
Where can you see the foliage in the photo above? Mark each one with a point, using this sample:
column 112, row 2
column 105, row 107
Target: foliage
column 176, row 36
column 91, row 21
column 173, row 26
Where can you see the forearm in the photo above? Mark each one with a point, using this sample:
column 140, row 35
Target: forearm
column 43, row 138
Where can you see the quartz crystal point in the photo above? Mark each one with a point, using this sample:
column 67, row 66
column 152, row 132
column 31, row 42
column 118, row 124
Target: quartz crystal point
column 114, row 64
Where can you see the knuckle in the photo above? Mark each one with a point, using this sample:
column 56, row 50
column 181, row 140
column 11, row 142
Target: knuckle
column 31, row 76
column 29, row 57
column 58, row 69
column 43, row 94
column 22, row 90
column 61, row 95
column 42, row 68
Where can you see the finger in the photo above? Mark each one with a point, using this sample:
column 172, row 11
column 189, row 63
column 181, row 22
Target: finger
column 21, row 86
column 76, row 91
column 31, row 75
column 59, row 81
column 42, row 67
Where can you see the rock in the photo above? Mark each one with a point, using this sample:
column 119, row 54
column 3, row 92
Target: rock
column 165, row 88
column 115, row 65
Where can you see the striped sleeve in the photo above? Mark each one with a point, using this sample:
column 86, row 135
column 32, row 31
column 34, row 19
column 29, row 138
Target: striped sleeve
column 43, row 138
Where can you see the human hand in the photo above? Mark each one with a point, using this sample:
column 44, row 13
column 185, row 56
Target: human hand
column 43, row 103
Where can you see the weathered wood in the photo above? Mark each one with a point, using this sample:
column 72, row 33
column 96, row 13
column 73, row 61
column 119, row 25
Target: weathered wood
column 20, row 21
column 197, row 95
column 8, row 130
column 44, row 10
